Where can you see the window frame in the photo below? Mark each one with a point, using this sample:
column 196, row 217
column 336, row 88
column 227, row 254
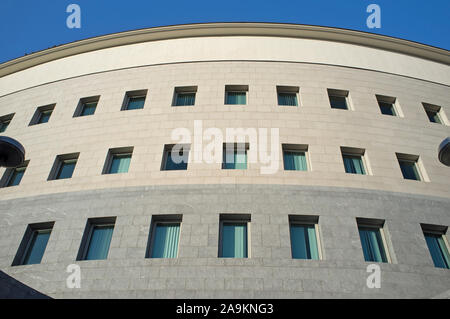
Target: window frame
column 5, row 119
column 184, row 90
column 436, row 230
column 58, row 164
column 234, row 219
column 296, row 148
column 134, row 94
column 163, row 220
column 236, row 89
column 82, row 104
column 117, row 151
column 9, row 173
column 168, row 148
column 339, row 94
column 25, row 244
column 236, row 148
column 284, row 89
column 354, row 152
column 307, row 220
column 88, row 232
column 40, row 111
column 378, row 224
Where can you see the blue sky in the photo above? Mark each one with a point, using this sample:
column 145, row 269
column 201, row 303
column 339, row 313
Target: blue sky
column 28, row 26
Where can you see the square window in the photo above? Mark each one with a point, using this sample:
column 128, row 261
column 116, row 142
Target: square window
column 387, row 105
column 372, row 239
column 63, row 166
column 13, row 176
column 294, row 157
column 338, row 99
column 4, row 122
column 164, row 236
column 175, row 157
column 387, row 108
column 433, row 113
column 134, row 100
column 233, row 236
column 96, row 239
column 34, row 242
column 42, row 114
column 287, row 95
column 184, row 96
column 437, row 245
column 236, row 94
column 86, row 106
column 353, row 160
column 408, row 165
column 304, row 237
column 235, row 156
column 118, row 160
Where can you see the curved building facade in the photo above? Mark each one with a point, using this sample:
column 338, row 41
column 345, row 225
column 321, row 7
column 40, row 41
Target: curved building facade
column 353, row 123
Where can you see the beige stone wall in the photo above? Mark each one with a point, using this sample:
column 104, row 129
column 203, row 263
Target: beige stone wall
column 313, row 123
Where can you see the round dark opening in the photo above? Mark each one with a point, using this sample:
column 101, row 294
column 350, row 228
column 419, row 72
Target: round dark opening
column 12, row 153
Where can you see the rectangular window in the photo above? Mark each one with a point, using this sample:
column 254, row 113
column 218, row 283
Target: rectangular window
column 184, row 96
column 118, row 160
column 236, row 94
column 372, row 239
column 42, row 114
column 64, row 166
column 34, row 242
column 294, row 157
column 287, row 95
column 13, row 176
column 175, row 157
column 387, row 105
column 235, row 156
column 433, row 113
column 437, row 245
column 338, row 99
column 134, row 100
column 164, row 236
column 408, row 165
column 4, row 122
column 303, row 233
column 86, row 106
column 97, row 238
column 353, row 160
column 233, row 236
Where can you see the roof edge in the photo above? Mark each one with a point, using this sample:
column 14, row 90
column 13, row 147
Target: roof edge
column 228, row 29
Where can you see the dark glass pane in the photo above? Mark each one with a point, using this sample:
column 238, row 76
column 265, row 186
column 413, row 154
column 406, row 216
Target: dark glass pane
column 372, row 244
column 99, row 242
column 353, row 164
column 236, row 98
column 289, row 99
column 386, row 108
column 88, row 109
column 171, row 165
column 409, row 170
column 437, row 249
column 16, row 176
column 44, row 117
column 234, row 240
column 4, row 126
column 433, row 117
column 66, row 169
column 37, row 246
column 338, row 102
column 120, row 163
column 184, row 99
column 135, row 103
